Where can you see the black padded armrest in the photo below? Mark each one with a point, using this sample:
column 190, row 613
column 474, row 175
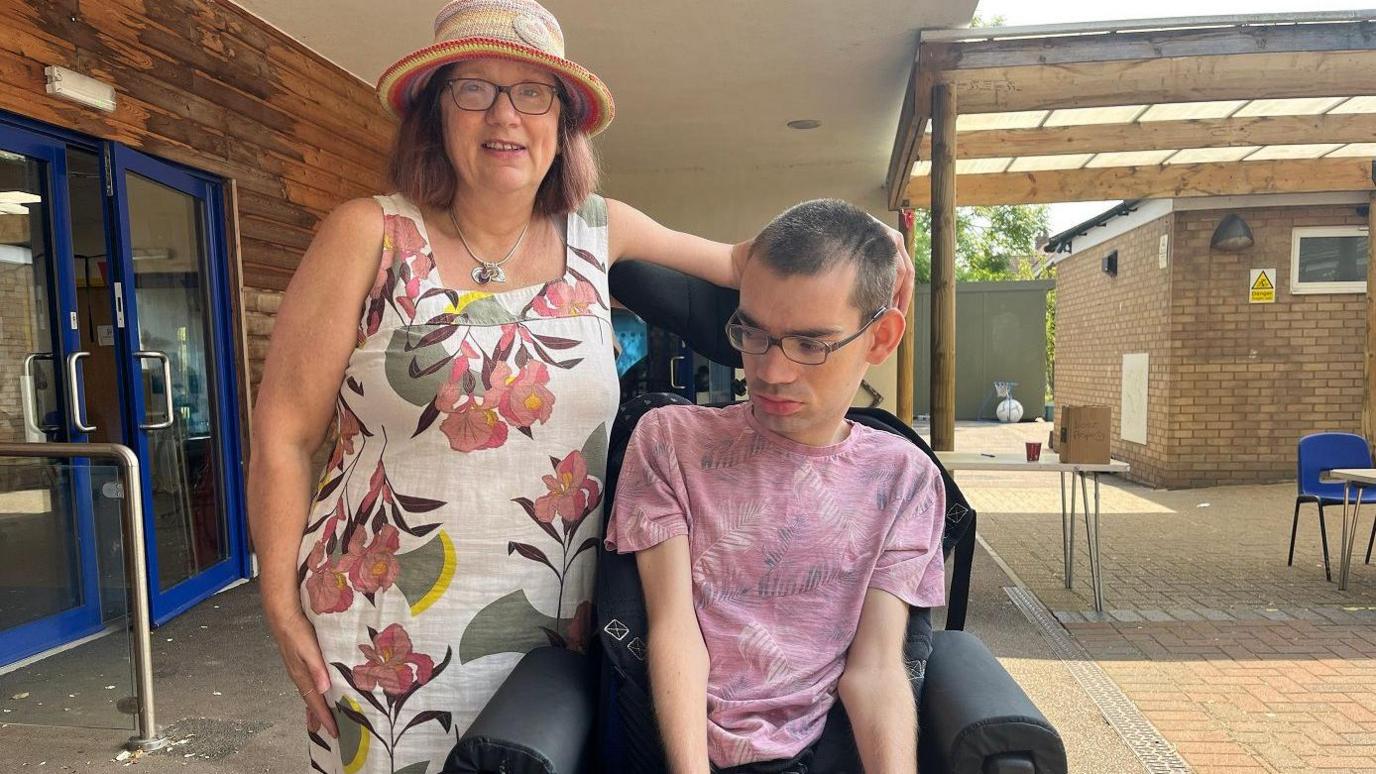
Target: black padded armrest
column 540, row 720
column 693, row 309
column 976, row 719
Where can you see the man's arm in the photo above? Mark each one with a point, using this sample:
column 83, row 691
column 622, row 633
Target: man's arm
column 875, row 690
column 678, row 657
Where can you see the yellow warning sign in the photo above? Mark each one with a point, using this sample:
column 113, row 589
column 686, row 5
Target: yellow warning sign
column 1262, row 288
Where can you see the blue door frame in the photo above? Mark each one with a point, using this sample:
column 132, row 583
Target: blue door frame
column 49, row 145
column 84, row 619
column 209, row 194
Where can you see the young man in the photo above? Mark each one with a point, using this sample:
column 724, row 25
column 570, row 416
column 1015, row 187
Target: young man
column 779, row 545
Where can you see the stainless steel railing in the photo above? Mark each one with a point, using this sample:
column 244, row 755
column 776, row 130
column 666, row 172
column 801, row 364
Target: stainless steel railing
column 135, row 566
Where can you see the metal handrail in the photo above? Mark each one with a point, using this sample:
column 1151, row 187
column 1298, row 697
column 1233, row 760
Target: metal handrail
column 135, row 565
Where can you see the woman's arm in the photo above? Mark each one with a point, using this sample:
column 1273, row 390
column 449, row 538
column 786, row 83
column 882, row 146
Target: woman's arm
column 633, row 234
column 315, row 330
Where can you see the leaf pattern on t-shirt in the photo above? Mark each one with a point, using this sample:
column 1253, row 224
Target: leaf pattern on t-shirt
column 810, row 488
column 758, row 647
column 733, row 452
column 736, row 534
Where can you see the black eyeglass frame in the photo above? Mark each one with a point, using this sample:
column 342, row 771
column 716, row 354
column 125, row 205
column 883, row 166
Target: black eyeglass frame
column 498, row 90
column 827, row 347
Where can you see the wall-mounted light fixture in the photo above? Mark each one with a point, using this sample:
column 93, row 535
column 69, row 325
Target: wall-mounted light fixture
column 1110, row 264
column 1232, row 235
column 79, row 88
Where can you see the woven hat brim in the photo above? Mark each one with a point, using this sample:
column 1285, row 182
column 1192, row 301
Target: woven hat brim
column 400, row 82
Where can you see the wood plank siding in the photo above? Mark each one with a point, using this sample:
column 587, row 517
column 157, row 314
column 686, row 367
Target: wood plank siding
column 206, row 84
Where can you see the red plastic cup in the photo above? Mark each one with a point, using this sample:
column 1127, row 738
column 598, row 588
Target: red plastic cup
column 1034, row 451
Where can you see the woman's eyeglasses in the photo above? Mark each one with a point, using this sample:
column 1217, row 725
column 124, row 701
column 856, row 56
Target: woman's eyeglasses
column 530, row 97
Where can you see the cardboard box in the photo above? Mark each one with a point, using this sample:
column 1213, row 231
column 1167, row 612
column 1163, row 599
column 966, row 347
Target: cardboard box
column 1083, row 434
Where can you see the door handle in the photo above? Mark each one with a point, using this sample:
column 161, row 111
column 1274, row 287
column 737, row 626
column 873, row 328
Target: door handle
column 74, row 393
column 32, row 420
column 674, row 372
column 166, row 390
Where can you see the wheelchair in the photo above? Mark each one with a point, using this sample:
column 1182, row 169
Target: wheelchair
column 561, row 712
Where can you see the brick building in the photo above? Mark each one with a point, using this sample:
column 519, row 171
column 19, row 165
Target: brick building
column 1228, row 386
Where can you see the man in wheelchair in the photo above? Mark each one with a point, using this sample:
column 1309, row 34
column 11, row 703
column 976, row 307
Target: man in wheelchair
column 780, row 546
column 786, row 552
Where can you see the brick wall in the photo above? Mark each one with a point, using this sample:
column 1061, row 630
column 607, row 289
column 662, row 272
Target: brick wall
column 1099, row 318
column 1232, row 385
column 1250, row 379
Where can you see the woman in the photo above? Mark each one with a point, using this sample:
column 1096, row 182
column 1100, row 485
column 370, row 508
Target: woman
column 459, row 332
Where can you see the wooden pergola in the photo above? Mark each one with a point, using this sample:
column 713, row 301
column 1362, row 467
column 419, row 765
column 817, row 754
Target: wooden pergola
column 1150, row 108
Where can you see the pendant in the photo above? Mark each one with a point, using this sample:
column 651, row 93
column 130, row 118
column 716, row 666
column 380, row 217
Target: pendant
column 488, row 273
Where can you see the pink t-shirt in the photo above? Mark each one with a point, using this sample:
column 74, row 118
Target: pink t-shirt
column 784, row 539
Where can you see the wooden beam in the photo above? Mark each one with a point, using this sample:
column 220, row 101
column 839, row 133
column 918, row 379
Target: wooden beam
column 1369, row 369
column 1230, row 179
column 1156, row 44
column 943, row 333
column 1183, row 79
column 1160, row 135
column 907, row 375
column 912, row 121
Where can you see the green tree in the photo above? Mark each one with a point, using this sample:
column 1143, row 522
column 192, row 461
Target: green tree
column 992, row 242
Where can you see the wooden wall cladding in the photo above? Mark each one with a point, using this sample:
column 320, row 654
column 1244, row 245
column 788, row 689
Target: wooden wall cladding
column 206, row 84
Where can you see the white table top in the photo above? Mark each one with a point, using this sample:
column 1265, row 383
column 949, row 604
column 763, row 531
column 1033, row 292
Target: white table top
column 1355, row 475
column 1049, row 462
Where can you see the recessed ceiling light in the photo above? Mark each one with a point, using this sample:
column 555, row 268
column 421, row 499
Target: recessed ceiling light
column 804, row 123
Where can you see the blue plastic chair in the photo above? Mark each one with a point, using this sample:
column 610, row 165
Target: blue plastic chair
column 1321, row 452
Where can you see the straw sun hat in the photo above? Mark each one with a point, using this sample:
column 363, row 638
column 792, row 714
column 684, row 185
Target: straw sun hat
column 517, row 30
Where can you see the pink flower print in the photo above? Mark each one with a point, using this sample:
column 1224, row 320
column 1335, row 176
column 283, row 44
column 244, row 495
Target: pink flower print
column 572, row 492
column 392, row 664
column 349, row 428
column 527, row 400
column 375, row 567
column 473, row 427
column 328, row 584
column 509, row 333
column 401, row 237
column 562, row 299
column 450, row 393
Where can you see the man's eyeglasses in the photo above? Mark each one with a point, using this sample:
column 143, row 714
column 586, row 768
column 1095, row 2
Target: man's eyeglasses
column 530, row 97
column 804, row 350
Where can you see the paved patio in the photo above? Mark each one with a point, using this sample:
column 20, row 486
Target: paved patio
column 1242, row 663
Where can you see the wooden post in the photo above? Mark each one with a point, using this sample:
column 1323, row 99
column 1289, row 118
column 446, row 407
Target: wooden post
column 943, row 205
column 906, row 376
column 1369, row 368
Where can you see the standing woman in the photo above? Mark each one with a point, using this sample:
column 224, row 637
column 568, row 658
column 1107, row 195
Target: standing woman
column 459, row 334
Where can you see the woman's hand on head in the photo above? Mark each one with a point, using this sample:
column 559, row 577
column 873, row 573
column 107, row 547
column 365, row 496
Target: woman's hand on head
column 903, row 280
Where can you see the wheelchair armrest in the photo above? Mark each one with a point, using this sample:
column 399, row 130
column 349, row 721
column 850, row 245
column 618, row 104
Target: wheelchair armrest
column 976, row 718
column 540, row 720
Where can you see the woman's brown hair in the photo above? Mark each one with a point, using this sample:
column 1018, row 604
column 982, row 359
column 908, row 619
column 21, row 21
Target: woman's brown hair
column 420, row 168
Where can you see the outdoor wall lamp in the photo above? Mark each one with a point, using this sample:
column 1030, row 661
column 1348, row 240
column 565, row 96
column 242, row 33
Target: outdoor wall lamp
column 1232, row 235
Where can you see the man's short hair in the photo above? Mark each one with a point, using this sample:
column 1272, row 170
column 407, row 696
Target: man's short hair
column 817, row 236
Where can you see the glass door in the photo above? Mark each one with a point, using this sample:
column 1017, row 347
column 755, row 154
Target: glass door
column 49, row 577
column 181, row 416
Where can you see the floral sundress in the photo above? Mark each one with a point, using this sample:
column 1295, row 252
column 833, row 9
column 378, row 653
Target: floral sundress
column 454, row 526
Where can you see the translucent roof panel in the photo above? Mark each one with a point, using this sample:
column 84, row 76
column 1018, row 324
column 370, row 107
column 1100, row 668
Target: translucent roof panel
column 1040, row 163
column 1185, row 111
column 1298, row 106
column 1356, row 105
column 1129, row 158
column 922, row 168
column 1210, row 155
column 1116, row 114
column 1356, row 149
column 1021, row 119
column 1311, row 151
column 981, row 166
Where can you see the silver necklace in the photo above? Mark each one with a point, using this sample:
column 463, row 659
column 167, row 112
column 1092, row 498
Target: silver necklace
column 488, row 271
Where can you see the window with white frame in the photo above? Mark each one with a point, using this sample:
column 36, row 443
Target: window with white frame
column 1328, row 259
